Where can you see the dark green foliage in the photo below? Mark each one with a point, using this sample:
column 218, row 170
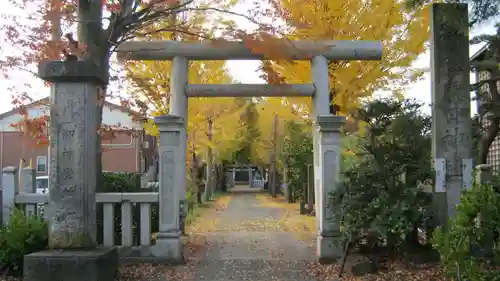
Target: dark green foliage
column 479, row 10
column 120, row 182
column 124, row 182
column 23, row 235
column 469, row 248
column 297, row 153
column 380, row 195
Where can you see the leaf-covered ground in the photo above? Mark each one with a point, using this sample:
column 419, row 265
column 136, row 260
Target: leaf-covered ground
column 252, row 236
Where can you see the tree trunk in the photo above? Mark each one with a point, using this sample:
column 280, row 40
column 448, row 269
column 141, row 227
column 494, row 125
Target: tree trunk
column 310, row 188
column 199, row 181
column 56, row 34
column 219, row 176
column 194, row 178
column 91, row 35
column 209, row 179
column 411, row 239
column 214, row 178
column 223, row 178
column 273, row 182
column 492, row 128
column 487, row 139
column 288, row 189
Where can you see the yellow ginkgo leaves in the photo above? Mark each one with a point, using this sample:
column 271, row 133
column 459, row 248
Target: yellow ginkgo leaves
column 403, row 34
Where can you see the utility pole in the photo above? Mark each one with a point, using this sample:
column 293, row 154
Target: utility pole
column 272, row 169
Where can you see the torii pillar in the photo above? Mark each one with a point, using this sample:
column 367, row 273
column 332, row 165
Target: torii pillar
column 326, row 142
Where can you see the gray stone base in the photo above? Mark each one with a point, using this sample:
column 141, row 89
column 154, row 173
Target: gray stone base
column 100, row 264
column 327, row 251
column 168, row 248
column 144, row 254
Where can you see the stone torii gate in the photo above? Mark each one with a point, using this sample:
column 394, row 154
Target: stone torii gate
column 172, row 127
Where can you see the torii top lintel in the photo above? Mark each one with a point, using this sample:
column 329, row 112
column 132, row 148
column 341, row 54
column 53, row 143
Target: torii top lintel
column 210, row 50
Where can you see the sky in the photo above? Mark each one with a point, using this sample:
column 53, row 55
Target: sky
column 245, row 71
column 242, row 71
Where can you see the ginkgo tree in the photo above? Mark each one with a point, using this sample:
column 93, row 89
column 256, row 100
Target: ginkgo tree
column 270, row 137
column 214, row 132
column 213, row 122
column 402, row 32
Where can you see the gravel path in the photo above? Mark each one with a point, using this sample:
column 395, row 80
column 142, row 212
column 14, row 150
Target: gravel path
column 247, row 244
column 244, row 238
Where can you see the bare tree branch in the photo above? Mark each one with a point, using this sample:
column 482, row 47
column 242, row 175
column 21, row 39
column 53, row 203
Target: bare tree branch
column 476, row 86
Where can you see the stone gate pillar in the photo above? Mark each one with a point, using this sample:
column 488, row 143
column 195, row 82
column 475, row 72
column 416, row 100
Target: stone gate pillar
column 172, row 168
column 329, row 127
column 72, row 204
column 179, row 107
column 320, row 107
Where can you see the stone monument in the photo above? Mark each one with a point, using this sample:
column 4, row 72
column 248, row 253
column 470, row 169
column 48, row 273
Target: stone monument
column 451, row 112
column 73, row 254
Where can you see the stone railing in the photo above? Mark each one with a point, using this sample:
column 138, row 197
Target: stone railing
column 258, row 183
column 25, row 197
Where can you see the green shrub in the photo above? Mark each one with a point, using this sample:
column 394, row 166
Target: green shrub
column 120, row 182
column 469, row 248
column 379, row 198
column 23, row 235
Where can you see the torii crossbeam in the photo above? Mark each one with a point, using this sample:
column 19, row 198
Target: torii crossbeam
column 208, row 50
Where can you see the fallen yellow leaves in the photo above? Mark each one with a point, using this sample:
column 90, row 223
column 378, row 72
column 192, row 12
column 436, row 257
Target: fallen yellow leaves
column 202, row 226
column 206, row 221
column 222, row 202
column 256, row 225
column 302, row 226
column 267, row 201
column 195, row 247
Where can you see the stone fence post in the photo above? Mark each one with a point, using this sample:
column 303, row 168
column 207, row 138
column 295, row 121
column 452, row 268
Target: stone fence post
column 28, row 185
column 9, row 190
column 484, row 174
